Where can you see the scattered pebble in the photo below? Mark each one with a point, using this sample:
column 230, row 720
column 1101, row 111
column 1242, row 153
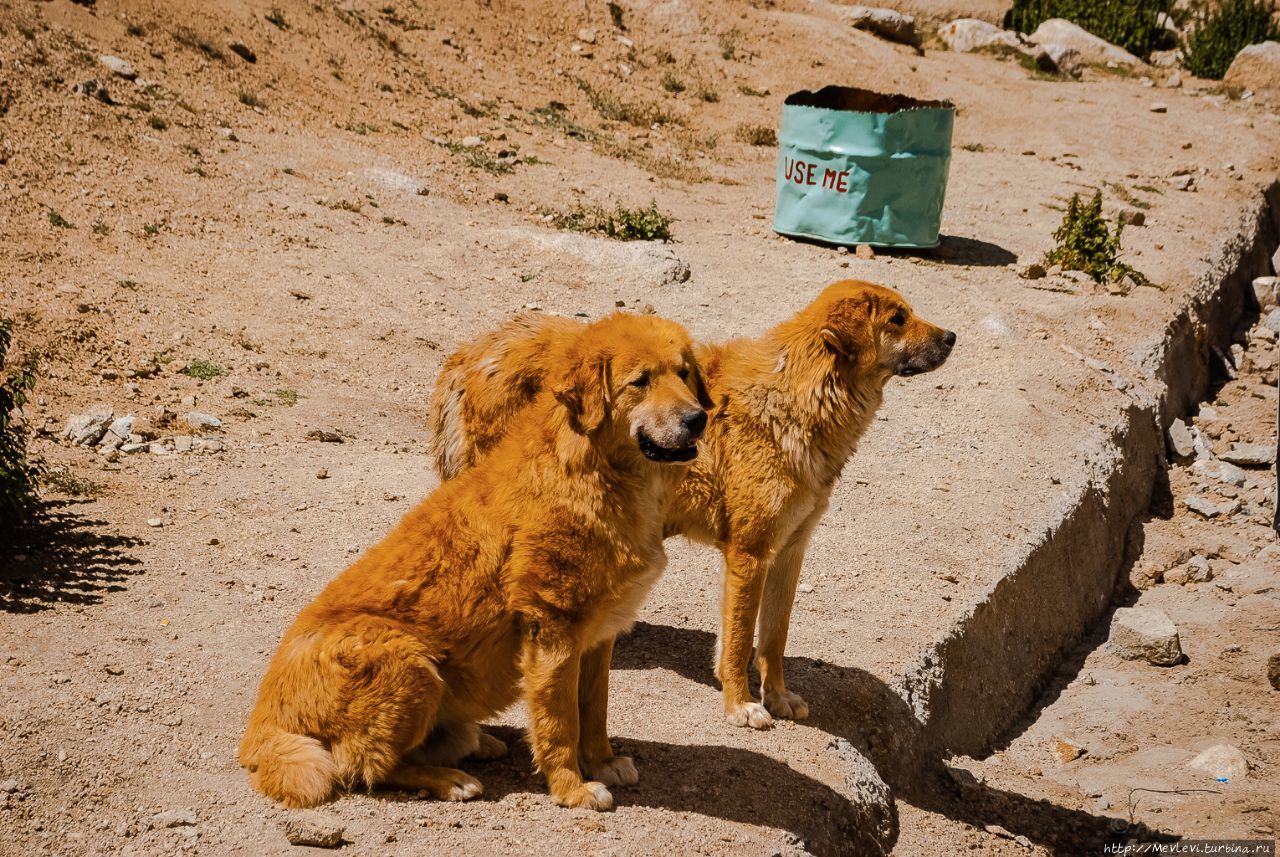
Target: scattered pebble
column 155, row 522
column 118, row 67
column 174, row 818
column 313, row 829
column 1223, row 762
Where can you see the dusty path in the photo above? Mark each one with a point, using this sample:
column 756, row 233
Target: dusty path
column 290, row 245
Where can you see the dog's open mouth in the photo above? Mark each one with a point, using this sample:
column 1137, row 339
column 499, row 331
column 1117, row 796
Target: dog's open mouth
column 655, row 452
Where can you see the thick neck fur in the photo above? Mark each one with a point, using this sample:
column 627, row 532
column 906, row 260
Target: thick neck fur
column 816, row 403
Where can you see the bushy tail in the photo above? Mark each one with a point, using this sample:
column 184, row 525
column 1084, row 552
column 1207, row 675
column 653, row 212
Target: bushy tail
column 294, row 769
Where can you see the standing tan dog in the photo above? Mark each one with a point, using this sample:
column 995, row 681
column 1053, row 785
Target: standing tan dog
column 792, row 406
column 523, row 569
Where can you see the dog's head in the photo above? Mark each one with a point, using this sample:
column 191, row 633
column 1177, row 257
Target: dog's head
column 874, row 329
column 631, row 382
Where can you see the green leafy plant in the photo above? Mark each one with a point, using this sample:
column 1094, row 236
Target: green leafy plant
column 1132, row 24
column 56, row 219
column 19, row 474
column 276, row 17
column 622, row 224
column 1220, row 35
column 1085, row 243
column 203, row 370
column 639, row 113
column 673, row 84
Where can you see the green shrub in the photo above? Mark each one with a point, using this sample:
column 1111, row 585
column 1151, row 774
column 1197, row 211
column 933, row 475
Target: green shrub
column 19, row 475
column 1084, row 243
column 756, row 135
column 1220, row 35
column 623, row 224
column 1132, row 24
column 203, row 370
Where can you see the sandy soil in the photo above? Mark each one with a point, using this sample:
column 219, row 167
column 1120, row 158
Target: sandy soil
column 309, row 222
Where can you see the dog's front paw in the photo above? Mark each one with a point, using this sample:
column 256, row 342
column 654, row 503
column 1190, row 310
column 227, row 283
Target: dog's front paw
column 617, row 771
column 751, row 714
column 786, row 704
column 456, row 785
column 490, row 748
column 588, row 796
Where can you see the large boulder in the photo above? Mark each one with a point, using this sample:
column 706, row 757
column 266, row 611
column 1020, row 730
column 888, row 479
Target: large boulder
column 885, row 23
column 1255, row 67
column 1092, row 50
column 969, row 34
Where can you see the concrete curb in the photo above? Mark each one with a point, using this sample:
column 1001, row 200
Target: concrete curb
column 972, row 684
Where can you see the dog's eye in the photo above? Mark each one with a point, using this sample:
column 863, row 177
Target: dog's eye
column 899, row 318
column 642, row 381
column 683, row 373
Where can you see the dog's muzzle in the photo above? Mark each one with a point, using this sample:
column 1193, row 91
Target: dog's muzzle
column 928, row 359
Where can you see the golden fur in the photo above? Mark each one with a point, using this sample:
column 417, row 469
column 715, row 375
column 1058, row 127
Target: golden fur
column 792, row 406
column 520, row 571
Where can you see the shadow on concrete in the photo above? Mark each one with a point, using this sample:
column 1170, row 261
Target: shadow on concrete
column 851, row 704
column 62, row 556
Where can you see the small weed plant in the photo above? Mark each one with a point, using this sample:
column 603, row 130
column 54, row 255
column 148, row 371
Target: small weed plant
column 622, row 224
column 1085, row 243
column 203, row 370
column 756, row 135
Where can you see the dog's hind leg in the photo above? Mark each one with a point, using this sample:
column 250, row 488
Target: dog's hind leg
column 594, row 749
column 775, row 620
column 441, row 783
column 450, row 743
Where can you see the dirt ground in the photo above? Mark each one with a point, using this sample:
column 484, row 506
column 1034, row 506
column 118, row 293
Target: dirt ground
column 318, row 224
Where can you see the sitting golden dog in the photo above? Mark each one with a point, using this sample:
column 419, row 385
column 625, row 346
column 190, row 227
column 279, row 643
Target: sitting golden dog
column 522, row 570
column 792, row 406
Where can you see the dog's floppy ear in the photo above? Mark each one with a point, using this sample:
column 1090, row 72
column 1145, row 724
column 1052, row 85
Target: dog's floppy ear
column 700, row 388
column 584, row 392
column 847, row 331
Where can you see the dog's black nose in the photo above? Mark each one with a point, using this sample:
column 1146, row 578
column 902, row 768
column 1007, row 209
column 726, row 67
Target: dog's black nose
column 696, row 422
column 950, row 338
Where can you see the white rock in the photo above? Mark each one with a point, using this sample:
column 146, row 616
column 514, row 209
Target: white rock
column 1267, row 291
column 886, row 23
column 1221, row 471
column 155, row 522
column 1251, row 454
column 118, row 66
column 1145, row 633
column 87, row 429
column 588, row 36
column 1272, row 321
column 472, row 141
column 1180, row 439
column 198, row 420
column 1221, row 761
column 1092, row 50
column 396, row 180
column 1183, row 182
column 1255, row 67
column 968, row 34
column 1194, row 570
column 1204, row 507
column 121, row 427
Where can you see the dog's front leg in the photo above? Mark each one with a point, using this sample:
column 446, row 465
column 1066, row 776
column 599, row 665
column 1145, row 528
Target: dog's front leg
column 744, row 576
column 551, row 691
column 598, row 761
column 775, row 619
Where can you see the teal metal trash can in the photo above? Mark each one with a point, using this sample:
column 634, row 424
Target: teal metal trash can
column 859, row 167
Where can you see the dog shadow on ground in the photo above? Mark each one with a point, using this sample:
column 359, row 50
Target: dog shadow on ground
column 850, row 703
column 63, row 556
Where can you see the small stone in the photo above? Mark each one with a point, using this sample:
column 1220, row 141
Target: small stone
column 885, row 23
column 87, row 429
column 1273, row 674
column 1067, row 750
column 1159, row 108
column 199, row 421
column 864, row 251
column 1034, row 271
column 172, row 720
column 182, row 443
column 1203, row 506
column 314, row 829
column 155, row 522
column 322, row 473
column 588, row 36
column 1131, row 216
column 8, row 786
column 472, row 141
column 1174, row 81
column 1145, row 633
column 1183, row 182
column 113, row 669
column 1180, row 439
column 1194, row 570
column 1222, row 761
column 118, row 67
column 1272, row 321
column 324, row 436
column 1250, row 454
column 805, row 588
column 174, row 818
column 969, row 34
column 1267, row 292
